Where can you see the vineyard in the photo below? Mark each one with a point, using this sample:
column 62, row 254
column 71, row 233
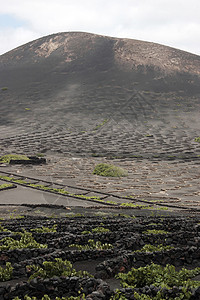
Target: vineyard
column 108, row 256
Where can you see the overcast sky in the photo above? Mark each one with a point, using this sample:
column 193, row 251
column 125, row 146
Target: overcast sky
column 173, row 23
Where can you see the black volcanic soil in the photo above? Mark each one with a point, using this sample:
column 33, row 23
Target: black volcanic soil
column 126, row 234
column 166, row 182
column 172, row 182
column 88, row 94
column 83, row 99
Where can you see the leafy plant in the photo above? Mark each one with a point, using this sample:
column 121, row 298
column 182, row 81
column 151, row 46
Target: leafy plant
column 8, row 157
column 118, row 295
column 109, row 170
column 159, row 276
column 19, row 181
column 26, row 297
column 46, row 297
column 58, row 267
column 40, row 155
column 72, row 215
column 6, row 185
column 6, row 273
column 92, row 245
column 86, row 232
column 96, row 230
column 45, row 229
column 110, row 201
column 26, row 241
column 140, row 206
column 101, row 124
column 6, row 177
column 197, row 139
column 13, row 216
column 87, row 197
column 131, row 204
column 152, row 248
column 155, row 231
column 100, row 229
column 124, row 216
column 2, row 229
column 160, row 296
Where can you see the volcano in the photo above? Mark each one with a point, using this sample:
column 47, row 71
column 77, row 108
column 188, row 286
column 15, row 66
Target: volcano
column 86, row 94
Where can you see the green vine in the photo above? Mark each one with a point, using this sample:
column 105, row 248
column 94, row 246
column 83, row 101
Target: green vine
column 109, row 170
column 58, row 267
column 8, row 157
column 6, row 185
column 96, row 230
column 46, row 297
column 101, row 124
column 6, row 273
column 26, row 241
column 45, row 229
column 159, row 276
column 155, row 231
column 197, row 139
column 2, row 229
column 92, row 245
column 152, row 248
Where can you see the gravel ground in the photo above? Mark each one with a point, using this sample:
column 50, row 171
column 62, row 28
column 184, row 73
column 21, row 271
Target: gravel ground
column 173, row 182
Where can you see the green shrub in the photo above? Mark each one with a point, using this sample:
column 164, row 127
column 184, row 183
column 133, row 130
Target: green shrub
column 109, row 170
column 152, row 248
column 8, row 157
column 2, row 229
column 58, row 267
column 45, row 229
column 20, row 181
column 137, row 206
column 157, row 275
column 96, row 230
column 6, row 177
column 100, row 230
column 6, row 185
column 73, row 215
column 92, row 245
column 101, row 124
column 46, row 297
column 86, row 232
column 155, row 231
column 6, row 273
column 26, row 241
column 197, row 139
column 40, row 155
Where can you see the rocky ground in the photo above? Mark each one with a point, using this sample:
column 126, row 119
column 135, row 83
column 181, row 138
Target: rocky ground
column 112, row 252
column 172, row 182
column 168, row 188
column 82, row 99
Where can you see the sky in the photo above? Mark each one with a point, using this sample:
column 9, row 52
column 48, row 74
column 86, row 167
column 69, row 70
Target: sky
column 174, row 23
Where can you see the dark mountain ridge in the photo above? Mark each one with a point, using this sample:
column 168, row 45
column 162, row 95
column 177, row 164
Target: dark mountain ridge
column 85, row 93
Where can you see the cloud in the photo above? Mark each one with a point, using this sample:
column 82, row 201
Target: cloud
column 12, row 38
column 174, row 22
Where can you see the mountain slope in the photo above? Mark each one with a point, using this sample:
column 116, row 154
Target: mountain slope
column 85, row 93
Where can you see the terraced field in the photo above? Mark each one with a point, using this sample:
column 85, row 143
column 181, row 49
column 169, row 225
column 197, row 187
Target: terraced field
column 88, row 94
column 103, row 246
column 147, row 125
